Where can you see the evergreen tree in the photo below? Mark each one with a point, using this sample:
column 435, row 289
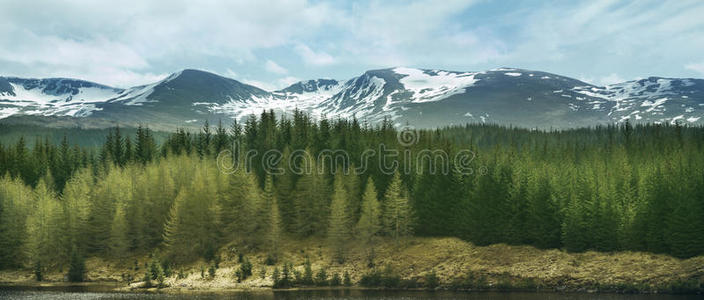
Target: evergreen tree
column 397, row 219
column 44, row 231
column 119, row 243
column 15, row 206
column 339, row 222
column 369, row 224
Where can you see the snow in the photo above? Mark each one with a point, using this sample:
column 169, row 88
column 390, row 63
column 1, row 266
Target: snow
column 674, row 120
column 428, row 88
column 35, row 95
column 35, row 101
column 512, row 74
column 693, row 119
column 140, row 94
column 8, row 111
column 653, row 105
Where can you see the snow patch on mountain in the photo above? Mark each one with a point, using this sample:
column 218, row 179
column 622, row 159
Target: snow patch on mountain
column 436, row 86
column 57, row 96
column 140, row 94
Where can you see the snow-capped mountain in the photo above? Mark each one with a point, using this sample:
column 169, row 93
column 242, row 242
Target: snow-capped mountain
column 424, row 98
column 53, row 96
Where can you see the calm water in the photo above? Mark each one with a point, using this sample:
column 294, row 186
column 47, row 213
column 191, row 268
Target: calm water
column 95, row 293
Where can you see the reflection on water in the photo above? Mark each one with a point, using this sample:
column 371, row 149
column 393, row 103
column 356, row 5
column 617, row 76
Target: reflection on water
column 57, row 293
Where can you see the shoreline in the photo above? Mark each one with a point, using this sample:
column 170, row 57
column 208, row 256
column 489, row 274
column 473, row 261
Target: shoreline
column 122, row 287
column 416, row 264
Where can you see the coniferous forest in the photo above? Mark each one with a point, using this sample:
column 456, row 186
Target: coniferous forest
column 612, row 188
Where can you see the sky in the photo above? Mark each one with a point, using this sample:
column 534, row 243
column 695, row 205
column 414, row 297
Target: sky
column 272, row 44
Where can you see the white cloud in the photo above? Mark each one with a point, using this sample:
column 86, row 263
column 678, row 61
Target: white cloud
column 610, row 79
column 273, row 67
column 695, row 67
column 132, row 42
column 229, row 73
column 287, row 81
column 312, row 57
column 260, row 84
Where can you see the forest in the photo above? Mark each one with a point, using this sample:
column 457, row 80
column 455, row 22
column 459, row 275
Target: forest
column 609, row 188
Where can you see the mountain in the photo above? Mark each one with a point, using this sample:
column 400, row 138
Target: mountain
column 52, row 96
column 424, row 98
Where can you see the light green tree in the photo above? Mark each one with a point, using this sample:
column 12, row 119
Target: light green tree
column 339, row 221
column 397, row 218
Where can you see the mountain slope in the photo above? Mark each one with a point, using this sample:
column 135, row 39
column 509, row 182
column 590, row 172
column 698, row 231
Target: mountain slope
column 424, row 98
column 52, row 96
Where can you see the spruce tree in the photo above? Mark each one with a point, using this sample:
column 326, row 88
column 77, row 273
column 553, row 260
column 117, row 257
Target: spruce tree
column 369, row 224
column 397, row 219
column 119, row 243
column 339, row 221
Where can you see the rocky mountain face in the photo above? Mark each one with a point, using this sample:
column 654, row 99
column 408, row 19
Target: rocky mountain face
column 423, row 98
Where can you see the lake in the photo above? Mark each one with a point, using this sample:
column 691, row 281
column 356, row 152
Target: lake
column 96, row 293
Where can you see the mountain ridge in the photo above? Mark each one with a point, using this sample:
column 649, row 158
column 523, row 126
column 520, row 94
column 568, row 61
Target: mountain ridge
column 424, row 97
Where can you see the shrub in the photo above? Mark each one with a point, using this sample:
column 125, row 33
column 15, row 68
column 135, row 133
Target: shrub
column 270, row 260
column 346, row 279
column 211, row 271
column 431, row 280
column 76, row 268
column 276, row 277
column 38, row 271
column 336, row 280
column 321, row 279
column 307, row 273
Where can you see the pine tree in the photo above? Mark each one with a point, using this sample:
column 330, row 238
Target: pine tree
column 76, row 201
column 15, row 206
column 275, row 227
column 369, row 224
column 119, row 243
column 44, row 231
column 193, row 227
column 397, row 219
column 272, row 217
column 543, row 216
column 311, row 200
column 339, row 221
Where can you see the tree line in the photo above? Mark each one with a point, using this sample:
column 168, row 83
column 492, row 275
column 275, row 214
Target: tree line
column 611, row 188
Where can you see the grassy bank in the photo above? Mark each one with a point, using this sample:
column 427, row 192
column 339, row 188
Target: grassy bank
column 442, row 263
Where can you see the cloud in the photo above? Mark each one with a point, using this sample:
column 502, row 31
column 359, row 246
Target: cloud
column 273, row 67
column 699, row 68
column 260, row 84
column 287, row 81
column 611, row 79
column 312, row 57
column 131, row 41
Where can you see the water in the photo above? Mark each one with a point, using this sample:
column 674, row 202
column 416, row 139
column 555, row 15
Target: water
column 60, row 293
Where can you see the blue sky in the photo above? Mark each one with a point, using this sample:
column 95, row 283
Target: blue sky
column 274, row 43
